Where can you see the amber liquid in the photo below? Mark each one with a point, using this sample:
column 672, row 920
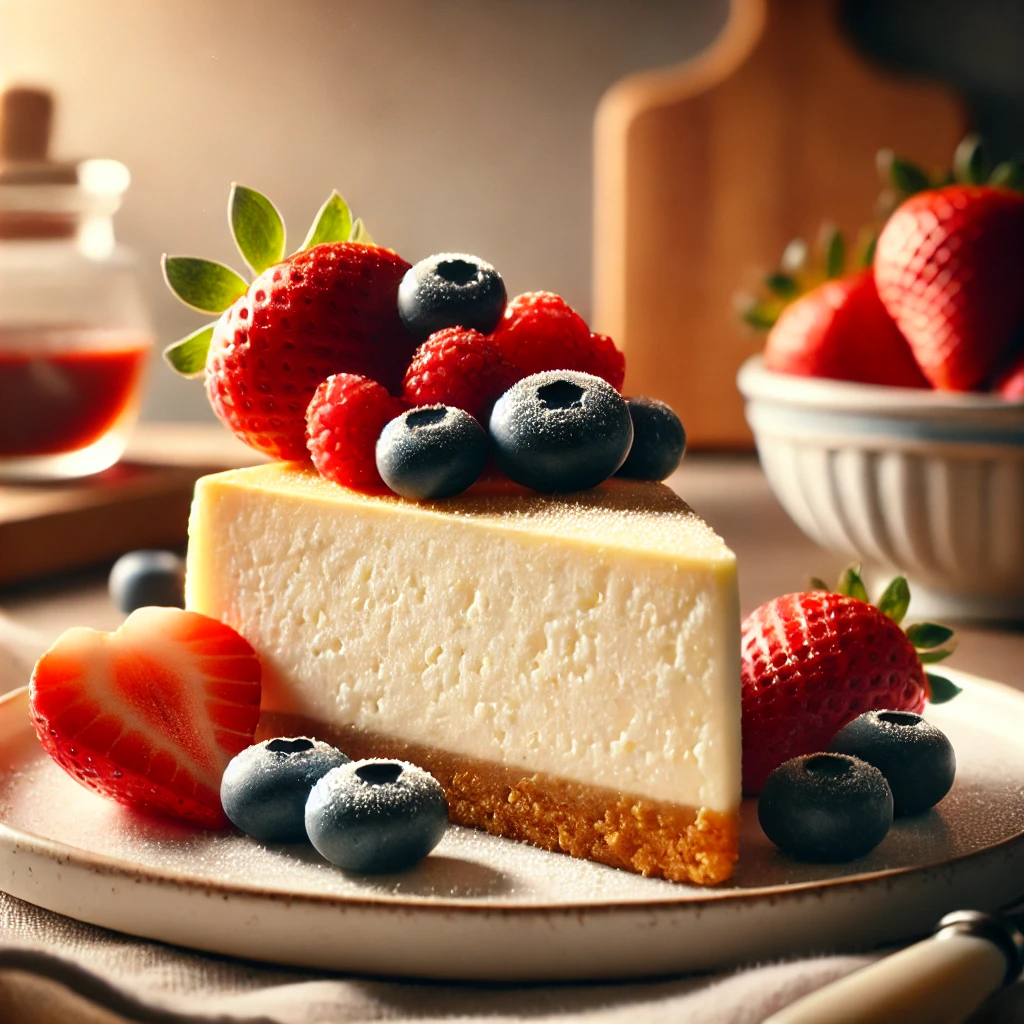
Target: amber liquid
column 61, row 391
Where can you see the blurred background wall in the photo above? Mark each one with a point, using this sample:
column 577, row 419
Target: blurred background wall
column 450, row 125
column 447, row 125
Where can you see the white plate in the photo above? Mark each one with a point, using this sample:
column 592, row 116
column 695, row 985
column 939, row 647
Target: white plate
column 487, row 908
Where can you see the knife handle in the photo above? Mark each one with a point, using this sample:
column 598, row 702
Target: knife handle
column 941, row 980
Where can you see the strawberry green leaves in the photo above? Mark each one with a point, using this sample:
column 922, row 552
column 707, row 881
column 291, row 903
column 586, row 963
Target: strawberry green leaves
column 188, row 356
column 360, row 234
column 895, row 600
column 941, row 689
column 970, row 161
column 927, row 635
column 333, row 223
column 932, row 642
column 851, row 585
column 205, row 285
column 259, row 233
column 257, row 228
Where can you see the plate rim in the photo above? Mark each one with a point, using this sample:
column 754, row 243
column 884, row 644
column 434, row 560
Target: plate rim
column 707, row 896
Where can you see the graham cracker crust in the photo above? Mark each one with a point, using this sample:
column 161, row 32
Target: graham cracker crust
column 650, row 837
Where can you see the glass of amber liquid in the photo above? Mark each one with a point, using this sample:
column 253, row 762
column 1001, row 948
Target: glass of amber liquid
column 75, row 337
column 74, row 333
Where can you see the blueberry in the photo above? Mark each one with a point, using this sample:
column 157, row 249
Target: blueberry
column 451, row 290
column 916, row 759
column 376, row 816
column 561, row 430
column 264, row 788
column 142, row 578
column 825, row 807
column 659, row 440
column 434, row 451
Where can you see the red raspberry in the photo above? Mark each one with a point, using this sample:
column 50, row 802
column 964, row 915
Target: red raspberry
column 539, row 331
column 343, row 422
column 460, row 367
column 609, row 362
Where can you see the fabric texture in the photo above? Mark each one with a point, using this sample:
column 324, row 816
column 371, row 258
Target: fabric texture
column 54, row 970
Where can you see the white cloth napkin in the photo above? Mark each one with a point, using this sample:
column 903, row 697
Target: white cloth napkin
column 54, row 970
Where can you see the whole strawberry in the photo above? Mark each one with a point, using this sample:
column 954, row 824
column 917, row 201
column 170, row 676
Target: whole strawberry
column 949, row 266
column 329, row 308
column 841, row 330
column 812, row 662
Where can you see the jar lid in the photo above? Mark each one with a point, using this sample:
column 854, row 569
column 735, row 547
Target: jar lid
column 42, row 198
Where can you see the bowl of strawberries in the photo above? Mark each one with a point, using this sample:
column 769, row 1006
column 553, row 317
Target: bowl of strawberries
column 888, row 404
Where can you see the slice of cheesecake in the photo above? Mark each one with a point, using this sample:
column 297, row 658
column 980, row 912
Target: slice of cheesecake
column 567, row 667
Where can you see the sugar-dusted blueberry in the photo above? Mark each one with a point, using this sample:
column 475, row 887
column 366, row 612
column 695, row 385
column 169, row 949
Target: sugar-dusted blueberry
column 659, row 440
column 376, row 816
column 916, row 759
column 451, row 290
column 561, row 430
column 143, row 578
column 264, row 788
column 433, row 451
column 825, row 807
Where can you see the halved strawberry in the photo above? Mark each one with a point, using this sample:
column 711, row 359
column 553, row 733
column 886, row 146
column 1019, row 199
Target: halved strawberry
column 151, row 714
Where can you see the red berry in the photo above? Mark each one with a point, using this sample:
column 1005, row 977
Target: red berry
column 150, row 715
column 608, row 361
column 811, row 663
column 344, row 420
column 1011, row 382
column 328, row 309
column 950, row 270
column 539, row 331
column 841, row 330
column 459, row 367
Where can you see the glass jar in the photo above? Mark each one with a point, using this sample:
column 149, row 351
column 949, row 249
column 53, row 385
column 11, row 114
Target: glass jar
column 75, row 335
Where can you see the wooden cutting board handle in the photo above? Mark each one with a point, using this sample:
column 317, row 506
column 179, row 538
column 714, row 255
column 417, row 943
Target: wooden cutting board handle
column 703, row 173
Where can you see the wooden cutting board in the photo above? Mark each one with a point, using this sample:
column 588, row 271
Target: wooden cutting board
column 705, row 171
column 142, row 502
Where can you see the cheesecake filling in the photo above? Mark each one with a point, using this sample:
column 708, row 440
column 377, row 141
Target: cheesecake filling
column 586, row 640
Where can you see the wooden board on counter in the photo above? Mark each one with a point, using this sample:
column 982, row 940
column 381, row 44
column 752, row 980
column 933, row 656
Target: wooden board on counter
column 143, row 502
column 703, row 172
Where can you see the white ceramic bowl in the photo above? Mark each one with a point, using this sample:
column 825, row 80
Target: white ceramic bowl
column 922, row 482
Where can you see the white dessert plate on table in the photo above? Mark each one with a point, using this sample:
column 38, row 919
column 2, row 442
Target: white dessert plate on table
column 491, row 909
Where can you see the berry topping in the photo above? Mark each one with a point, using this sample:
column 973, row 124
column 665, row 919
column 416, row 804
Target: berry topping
column 264, row 788
column 150, row 715
column 659, row 440
column 459, row 367
column 376, row 816
column 142, row 578
column 561, row 431
column 434, row 451
column 539, row 331
column 451, row 290
column 812, row 662
column 916, row 759
column 343, row 421
column 329, row 308
column 825, row 807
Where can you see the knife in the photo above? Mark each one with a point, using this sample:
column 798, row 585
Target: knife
column 941, row 980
